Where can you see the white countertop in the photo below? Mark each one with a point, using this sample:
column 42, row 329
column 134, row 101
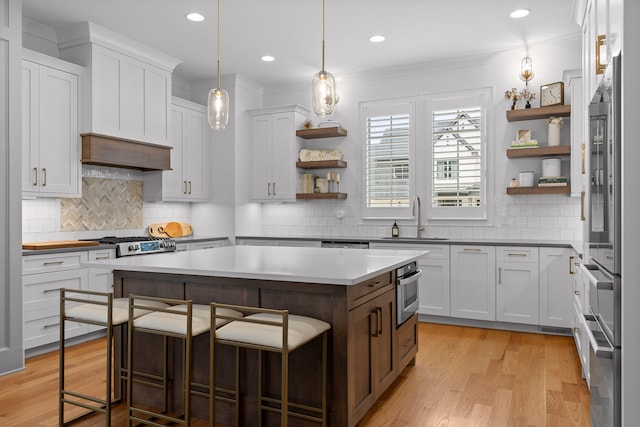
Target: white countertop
column 292, row 264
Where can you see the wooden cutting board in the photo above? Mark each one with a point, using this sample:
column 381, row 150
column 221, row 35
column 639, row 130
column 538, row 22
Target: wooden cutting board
column 170, row 229
column 58, row 244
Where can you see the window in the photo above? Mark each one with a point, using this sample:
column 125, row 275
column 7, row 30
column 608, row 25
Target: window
column 388, row 142
column 457, row 149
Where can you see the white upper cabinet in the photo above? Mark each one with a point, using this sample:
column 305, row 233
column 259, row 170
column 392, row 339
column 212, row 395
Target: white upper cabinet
column 188, row 181
column 128, row 92
column 274, row 152
column 50, row 140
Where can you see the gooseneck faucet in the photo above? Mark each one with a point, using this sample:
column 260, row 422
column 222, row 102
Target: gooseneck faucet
column 420, row 228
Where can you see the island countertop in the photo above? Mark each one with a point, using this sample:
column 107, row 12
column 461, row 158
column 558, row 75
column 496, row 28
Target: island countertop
column 334, row 266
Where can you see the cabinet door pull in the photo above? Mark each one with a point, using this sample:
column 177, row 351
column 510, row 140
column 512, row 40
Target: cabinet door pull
column 35, row 183
column 189, row 187
column 47, row 263
column 472, row 249
column 570, row 264
column 379, row 316
column 48, row 291
column 374, row 328
column 185, row 187
column 499, row 275
column 600, row 42
column 51, row 325
column 374, row 284
column 98, row 258
column 510, row 254
column 582, row 194
column 44, row 177
column 269, row 189
column 582, row 151
column 274, row 188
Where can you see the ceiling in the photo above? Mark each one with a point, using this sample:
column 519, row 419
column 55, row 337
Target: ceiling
column 417, row 31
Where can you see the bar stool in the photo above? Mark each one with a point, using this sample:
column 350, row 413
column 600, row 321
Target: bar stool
column 180, row 319
column 94, row 308
column 274, row 331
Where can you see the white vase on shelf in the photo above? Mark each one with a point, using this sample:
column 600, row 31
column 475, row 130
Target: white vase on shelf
column 553, row 136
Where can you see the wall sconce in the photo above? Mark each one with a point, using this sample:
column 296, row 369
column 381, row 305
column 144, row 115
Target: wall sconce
column 526, row 70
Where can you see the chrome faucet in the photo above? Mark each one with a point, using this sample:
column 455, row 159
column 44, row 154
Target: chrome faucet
column 420, row 228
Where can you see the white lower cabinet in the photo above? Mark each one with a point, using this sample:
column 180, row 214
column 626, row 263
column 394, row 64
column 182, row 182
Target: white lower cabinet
column 556, row 288
column 43, row 277
column 473, row 282
column 99, row 279
column 517, row 285
column 580, row 308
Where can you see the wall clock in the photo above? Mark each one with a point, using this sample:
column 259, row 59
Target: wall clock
column 552, row 94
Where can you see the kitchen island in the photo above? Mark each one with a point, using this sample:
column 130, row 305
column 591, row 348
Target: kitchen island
column 351, row 289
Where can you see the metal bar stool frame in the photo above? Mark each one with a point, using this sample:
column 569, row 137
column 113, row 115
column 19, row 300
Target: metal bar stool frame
column 284, row 403
column 101, row 299
column 187, row 352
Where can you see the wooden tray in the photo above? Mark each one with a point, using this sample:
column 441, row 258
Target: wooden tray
column 58, row 244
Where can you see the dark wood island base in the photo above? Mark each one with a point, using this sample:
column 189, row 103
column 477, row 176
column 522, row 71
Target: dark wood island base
column 367, row 351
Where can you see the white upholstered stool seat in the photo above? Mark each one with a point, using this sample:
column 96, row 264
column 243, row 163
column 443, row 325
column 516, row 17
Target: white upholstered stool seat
column 173, row 320
column 100, row 309
column 273, row 331
column 301, row 330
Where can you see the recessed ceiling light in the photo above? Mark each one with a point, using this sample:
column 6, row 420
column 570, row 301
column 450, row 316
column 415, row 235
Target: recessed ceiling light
column 377, row 38
column 268, row 58
column 195, row 17
column 520, row 13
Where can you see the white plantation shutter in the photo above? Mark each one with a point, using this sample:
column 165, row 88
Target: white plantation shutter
column 388, row 141
column 458, row 157
column 456, row 147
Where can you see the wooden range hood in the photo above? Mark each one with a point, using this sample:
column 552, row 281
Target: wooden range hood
column 103, row 150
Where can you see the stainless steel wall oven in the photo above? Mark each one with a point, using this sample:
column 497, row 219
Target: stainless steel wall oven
column 407, row 278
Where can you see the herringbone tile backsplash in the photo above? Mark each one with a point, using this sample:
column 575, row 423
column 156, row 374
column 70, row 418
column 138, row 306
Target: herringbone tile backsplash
column 106, row 204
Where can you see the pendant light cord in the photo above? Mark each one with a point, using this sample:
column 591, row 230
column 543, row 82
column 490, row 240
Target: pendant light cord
column 219, row 43
column 322, row 36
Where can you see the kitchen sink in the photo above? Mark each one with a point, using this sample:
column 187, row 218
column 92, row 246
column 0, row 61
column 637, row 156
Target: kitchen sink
column 426, row 239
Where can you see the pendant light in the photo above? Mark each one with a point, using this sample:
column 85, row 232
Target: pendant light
column 323, row 89
column 218, row 103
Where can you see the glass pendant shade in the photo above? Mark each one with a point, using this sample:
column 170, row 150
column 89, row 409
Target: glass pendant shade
column 323, row 94
column 526, row 69
column 218, row 109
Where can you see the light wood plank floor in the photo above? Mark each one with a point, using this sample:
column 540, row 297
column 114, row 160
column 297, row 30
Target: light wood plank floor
column 463, row 377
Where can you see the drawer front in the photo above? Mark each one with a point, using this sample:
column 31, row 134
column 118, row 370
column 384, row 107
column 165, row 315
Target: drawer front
column 435, row 251
column 44, row 328
column 407, row 337
column 516, row 254
column 102, row 254
column 41, row 291
column 362, row 292
column 208, row 245
column 33, row 264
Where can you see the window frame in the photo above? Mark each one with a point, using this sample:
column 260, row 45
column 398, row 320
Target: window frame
column 450, row 215
column 405, row 105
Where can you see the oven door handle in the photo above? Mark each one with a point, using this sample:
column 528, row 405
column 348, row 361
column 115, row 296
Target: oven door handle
column 602, row 352
column 410, row 278
column 605, row 285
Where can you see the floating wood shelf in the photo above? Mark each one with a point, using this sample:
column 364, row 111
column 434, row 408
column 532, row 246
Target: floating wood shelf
column 322, row 164
column 558, row 150
column 321, row 132
column 516, row 191
column 538, row 113
column 321, row 196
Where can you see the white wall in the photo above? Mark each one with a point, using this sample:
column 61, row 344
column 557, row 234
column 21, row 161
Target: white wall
column 515, row 217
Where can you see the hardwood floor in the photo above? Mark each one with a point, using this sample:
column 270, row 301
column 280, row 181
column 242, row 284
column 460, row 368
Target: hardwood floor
column 462, row 377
